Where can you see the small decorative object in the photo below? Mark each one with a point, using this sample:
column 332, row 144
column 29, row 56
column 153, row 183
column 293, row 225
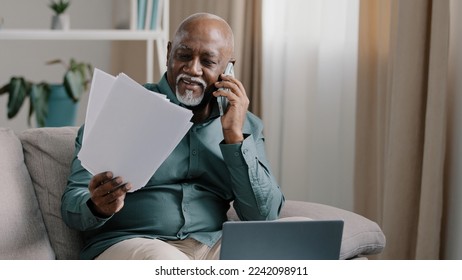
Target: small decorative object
column 42, row 95
column 60, row 20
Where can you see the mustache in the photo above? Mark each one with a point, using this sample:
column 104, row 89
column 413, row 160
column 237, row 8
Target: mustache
column 191, row 78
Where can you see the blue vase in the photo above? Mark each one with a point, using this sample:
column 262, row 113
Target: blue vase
column 62, row 111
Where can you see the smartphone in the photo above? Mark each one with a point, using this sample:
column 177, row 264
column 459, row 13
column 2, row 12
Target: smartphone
column 223, row 101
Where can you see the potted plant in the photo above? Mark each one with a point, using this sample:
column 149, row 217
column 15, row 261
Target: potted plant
column 43, row 95
column 60, row 19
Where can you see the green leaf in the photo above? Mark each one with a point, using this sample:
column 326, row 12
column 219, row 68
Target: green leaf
column 60, row 6
column 74, row 84
column 18, row 92
column 4, row 89
column 39, row 94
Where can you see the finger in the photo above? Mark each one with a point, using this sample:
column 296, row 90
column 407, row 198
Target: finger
column 110, row 208
column 235, row 86
column 224, row 77
column 223, row 92
column 109, row 186
column 231, row 91
column 226, row 85
column 100, row 179
column 112, row 201
column 116, row 205
column 240, row 86
column 118, row 193
column 231, row 79
column 120, row 189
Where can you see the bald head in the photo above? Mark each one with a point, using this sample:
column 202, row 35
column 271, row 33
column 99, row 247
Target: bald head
column 206, row 23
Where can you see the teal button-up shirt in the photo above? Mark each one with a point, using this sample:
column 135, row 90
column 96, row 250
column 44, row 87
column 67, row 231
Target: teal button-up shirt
column 189, row 195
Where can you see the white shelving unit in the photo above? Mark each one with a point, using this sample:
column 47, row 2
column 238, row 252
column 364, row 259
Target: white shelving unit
column 159, row 36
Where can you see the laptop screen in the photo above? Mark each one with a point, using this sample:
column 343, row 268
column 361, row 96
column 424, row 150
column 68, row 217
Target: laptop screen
column 281, row 240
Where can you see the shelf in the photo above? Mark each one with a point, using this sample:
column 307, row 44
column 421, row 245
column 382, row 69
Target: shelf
column 79, row 34
column 160, row 37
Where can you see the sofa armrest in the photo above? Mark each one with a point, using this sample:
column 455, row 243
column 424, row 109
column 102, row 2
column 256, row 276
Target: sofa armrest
column 22, row 232
column 48, row 154
column 361, row 236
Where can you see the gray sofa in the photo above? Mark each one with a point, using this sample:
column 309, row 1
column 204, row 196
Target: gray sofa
column 34, row 166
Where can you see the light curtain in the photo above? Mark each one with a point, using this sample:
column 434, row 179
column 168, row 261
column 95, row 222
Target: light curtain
column 401, row 122
column 309, row 95
column 452, row 212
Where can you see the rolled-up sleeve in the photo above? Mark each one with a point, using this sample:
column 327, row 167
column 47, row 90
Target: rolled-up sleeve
column 257, row 194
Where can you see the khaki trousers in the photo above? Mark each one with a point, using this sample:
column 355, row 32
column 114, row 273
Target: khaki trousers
column 155, row 249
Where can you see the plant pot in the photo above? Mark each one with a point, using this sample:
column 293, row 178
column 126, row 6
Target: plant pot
column 62, row 111
column 61, row 22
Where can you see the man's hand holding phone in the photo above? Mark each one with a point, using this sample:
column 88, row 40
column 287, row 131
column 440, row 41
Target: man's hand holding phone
column 234, row 114
column 222, row 101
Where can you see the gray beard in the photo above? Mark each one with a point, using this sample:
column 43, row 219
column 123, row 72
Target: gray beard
column 188, row 98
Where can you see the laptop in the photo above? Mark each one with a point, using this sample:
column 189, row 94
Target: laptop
column 282, row 240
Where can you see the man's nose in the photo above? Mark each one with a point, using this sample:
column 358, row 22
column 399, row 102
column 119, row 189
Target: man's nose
column 194, row 67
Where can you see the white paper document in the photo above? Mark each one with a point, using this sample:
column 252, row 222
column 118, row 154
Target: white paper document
column 131, row 131
column 101, row 85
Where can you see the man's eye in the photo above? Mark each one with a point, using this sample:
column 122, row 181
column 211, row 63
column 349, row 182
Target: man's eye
column 183, row 56
column 207, row 62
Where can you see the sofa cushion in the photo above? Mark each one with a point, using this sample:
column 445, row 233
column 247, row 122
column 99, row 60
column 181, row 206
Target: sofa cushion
column 48, row 154
column 22, row 231
column 361, row 236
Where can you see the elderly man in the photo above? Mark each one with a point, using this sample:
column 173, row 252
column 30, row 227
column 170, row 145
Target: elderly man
column 221, row 160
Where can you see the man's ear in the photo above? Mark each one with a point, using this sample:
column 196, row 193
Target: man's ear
column 169, row 48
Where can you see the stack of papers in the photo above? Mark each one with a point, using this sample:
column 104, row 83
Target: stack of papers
column 129, row 130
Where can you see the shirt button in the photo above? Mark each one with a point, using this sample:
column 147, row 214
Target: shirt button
column 194, row 152
column 236, row 154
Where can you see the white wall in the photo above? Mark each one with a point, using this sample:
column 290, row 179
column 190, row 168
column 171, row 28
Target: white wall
column 28, row 57
column 453, row 230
